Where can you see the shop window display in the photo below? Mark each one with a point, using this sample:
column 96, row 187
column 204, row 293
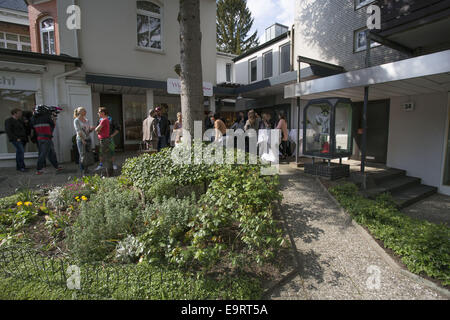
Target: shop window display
column 328, row 128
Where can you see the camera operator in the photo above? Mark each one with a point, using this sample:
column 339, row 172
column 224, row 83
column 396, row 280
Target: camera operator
column 43, row 123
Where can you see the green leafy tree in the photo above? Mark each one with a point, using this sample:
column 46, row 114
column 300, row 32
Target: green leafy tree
column 234, row 22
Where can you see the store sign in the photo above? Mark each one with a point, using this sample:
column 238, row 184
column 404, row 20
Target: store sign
column 174, row 87
column 7, row 81
column 18, row 81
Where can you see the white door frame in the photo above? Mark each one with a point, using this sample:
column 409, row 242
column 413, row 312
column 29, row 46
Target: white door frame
column 445, row 189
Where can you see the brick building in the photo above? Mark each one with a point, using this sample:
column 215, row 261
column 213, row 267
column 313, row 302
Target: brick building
column 14, row 25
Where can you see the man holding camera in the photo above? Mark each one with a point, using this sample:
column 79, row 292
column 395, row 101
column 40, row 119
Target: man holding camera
column 43, row 123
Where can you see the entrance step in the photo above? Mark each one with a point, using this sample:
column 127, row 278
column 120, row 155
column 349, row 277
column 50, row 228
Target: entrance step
column 411, row 195
column 404, row 190
column 386, row 175
column 395, row 184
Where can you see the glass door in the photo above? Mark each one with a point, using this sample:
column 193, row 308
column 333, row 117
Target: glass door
column 446, row 167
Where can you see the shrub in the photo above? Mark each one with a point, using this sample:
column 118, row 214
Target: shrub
column 163, row 187
column 144, row 171
column 237, row 215
column 167, row 222
column 233, row 221
column 108, row 217
column 57, row 198
column 129, row 250
column 423, row 246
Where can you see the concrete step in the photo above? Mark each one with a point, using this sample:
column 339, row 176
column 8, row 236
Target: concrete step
column 393, row 185
column 385, row 175
column 409, row 196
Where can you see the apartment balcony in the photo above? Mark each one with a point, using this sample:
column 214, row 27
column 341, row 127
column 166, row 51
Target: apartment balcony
column 420, row 25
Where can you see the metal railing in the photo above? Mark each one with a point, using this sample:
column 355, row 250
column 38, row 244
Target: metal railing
column 94, row 281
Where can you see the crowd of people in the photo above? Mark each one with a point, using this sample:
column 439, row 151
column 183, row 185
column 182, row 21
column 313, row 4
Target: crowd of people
column 38, row 127
column 255, row 122
column 157, row 134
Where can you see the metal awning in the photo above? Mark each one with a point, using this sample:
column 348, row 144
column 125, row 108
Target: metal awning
column 420, row 75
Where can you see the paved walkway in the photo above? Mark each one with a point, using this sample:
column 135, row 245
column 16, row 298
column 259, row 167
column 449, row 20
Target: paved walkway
column 334, row 260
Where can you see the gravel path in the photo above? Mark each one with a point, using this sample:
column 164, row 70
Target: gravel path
column 334, row 260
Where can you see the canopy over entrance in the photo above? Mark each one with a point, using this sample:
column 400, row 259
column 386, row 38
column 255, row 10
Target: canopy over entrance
column 420, row 75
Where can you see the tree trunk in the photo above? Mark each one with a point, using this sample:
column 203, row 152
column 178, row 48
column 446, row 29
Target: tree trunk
column 192, row 106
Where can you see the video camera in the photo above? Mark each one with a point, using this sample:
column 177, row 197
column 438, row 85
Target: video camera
column 47, row 110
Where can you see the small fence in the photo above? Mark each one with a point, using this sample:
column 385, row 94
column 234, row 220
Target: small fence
column 67, row 280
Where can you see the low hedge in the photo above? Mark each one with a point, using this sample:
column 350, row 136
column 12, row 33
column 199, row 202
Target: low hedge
column 424, row 247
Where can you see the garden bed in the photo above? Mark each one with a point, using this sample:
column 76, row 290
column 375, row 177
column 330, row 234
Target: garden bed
column 422, row 247
column 212, row 221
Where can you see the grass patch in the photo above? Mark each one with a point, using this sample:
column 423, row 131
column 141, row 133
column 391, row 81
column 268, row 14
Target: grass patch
column 424, row 247
column 122, row 282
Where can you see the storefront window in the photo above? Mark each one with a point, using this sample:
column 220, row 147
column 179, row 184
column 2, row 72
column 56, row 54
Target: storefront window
column 9, row 100
column 446, row 181
column 343, row 123
column 135, row 111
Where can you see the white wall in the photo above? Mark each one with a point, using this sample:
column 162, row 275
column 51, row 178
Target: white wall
column 68, row 43
column 242, row 67
column 108, row 40
column 222, row 61
column 416, row 139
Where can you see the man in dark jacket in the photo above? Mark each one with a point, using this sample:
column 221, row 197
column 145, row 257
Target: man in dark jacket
column 162, row 128
column 17, row 135
column 44, row 124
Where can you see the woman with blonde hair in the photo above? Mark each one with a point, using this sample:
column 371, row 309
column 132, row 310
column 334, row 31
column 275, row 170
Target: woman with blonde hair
column 83, row 130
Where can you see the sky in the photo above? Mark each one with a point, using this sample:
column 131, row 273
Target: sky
column 267, row 12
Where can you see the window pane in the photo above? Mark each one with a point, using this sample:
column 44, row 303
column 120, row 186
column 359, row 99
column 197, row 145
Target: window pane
column 155, row 32
column 149, row 32
column 148, row 6
column 285, row 58
column 12, row 46
column 9, row 100
column 317, row 128
column 143, row 31
column 228, row 72
column 12, row 37
column 343, row 124
column 25, row 39
column 45, row 42
column 2, row 35
column 361, row 41
column 268, row 65
column 52, row 42
column 2, row 44
column 47, row 24
column 253, row 71
column 26, row 48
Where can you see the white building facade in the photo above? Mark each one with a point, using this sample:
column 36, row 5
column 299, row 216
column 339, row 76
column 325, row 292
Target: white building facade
column 403, row 72
column 121, row 55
